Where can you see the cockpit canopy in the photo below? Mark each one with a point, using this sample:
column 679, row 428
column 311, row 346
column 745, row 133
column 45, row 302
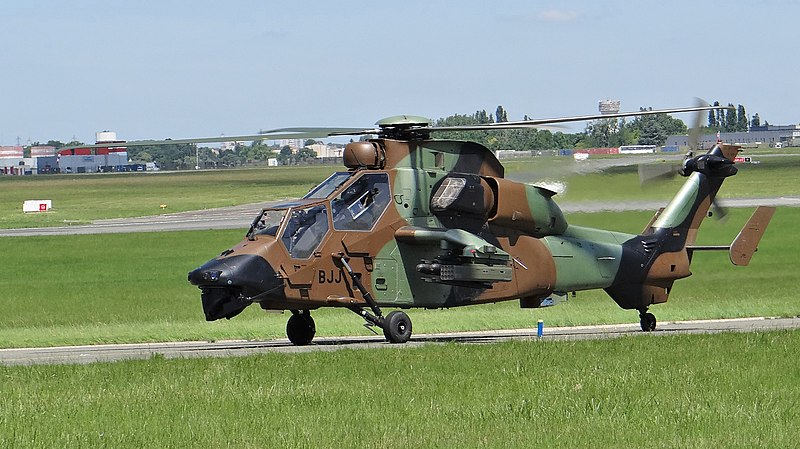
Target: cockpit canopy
column 346, row 201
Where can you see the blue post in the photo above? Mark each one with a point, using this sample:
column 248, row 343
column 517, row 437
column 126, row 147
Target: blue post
column 540, row 328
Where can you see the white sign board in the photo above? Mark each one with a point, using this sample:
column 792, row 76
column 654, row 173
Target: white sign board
column 37, row 205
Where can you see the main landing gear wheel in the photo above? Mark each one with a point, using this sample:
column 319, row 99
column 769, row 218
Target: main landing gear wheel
column 300, row 328
column 397, row 327
column 648, row 321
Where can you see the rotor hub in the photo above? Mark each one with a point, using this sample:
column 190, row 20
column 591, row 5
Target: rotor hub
column 405, row 127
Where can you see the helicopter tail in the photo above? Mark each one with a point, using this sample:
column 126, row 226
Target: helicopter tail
column 653, row 260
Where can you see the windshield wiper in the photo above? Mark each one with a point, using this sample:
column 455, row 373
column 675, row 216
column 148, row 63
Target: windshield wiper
column 250, row 236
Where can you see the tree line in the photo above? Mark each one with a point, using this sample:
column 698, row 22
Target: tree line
column 603, row 133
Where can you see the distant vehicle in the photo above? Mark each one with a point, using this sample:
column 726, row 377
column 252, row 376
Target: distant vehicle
column 745, row 160
column 637, row 149
column 580, row 156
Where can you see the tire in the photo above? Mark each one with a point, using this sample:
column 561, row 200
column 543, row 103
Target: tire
column 300, row 329
column 648, row 322
column 397, row 327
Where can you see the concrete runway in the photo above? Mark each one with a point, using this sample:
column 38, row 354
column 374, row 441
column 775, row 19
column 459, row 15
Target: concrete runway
column 240, row 217
column 111, row 353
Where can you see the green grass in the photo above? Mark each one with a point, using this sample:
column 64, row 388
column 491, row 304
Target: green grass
column 702, row 391
column 132, row 287
column 83, row 198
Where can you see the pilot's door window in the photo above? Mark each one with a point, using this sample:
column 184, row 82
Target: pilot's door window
column 362, row 203
column 305, row 230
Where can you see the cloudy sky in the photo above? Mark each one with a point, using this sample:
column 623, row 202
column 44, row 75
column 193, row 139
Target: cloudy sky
column 168, row 68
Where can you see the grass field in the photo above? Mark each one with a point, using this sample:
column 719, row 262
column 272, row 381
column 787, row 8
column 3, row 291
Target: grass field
column 132, row 287
column 705, row 391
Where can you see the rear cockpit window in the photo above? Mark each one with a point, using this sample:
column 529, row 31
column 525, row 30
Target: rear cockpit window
column 362, row 203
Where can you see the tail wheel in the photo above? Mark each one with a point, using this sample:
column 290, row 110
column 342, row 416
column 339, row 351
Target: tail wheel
column 648, row 322
column 300, row 328
column 397, row 327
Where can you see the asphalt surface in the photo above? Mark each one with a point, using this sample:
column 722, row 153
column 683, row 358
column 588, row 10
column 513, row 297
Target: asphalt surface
column 240, row 217
column 112, row 353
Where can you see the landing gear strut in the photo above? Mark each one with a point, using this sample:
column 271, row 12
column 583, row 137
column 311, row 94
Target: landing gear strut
column 300, row 328
column 396, row 325
column 647, row 320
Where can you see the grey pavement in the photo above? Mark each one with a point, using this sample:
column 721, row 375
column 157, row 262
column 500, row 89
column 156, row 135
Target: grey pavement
column 112, row 353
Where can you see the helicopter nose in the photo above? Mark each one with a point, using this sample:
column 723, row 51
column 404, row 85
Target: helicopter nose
column 228, row 284
column 245, row 271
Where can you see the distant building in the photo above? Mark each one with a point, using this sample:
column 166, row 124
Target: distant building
column 93, row 163
column 293, row 144
column 9, row 152
column 762, row 135
column 11, row 160
column 608, row 106
column 43, row 151
column 114, row 157
column 327, row 150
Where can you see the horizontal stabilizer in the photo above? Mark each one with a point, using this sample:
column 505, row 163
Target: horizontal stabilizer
column 746, row 243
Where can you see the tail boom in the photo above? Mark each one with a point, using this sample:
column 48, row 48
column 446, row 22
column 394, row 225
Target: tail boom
column 653, row 260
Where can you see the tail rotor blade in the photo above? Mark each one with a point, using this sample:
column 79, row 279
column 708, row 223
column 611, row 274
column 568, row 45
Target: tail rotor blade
column 697, row 123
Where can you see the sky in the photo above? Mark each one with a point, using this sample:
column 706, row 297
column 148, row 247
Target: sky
column 179, row 69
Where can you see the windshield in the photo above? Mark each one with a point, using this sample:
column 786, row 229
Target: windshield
column 267, row 223
column 329, row 185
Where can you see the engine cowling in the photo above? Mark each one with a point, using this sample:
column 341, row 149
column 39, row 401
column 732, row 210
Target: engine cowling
column 525, row 208
column 501, row 202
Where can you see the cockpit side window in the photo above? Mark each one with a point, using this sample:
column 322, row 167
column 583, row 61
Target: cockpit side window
column 304, row 231
column 362, row 203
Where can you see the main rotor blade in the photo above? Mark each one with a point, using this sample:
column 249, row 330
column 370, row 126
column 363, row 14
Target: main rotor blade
column 326, row 131
column 580, row 118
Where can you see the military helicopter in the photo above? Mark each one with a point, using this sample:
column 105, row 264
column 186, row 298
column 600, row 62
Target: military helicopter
column 416, row 222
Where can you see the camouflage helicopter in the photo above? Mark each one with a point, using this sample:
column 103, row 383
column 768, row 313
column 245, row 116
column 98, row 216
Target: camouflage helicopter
column 415, row 222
